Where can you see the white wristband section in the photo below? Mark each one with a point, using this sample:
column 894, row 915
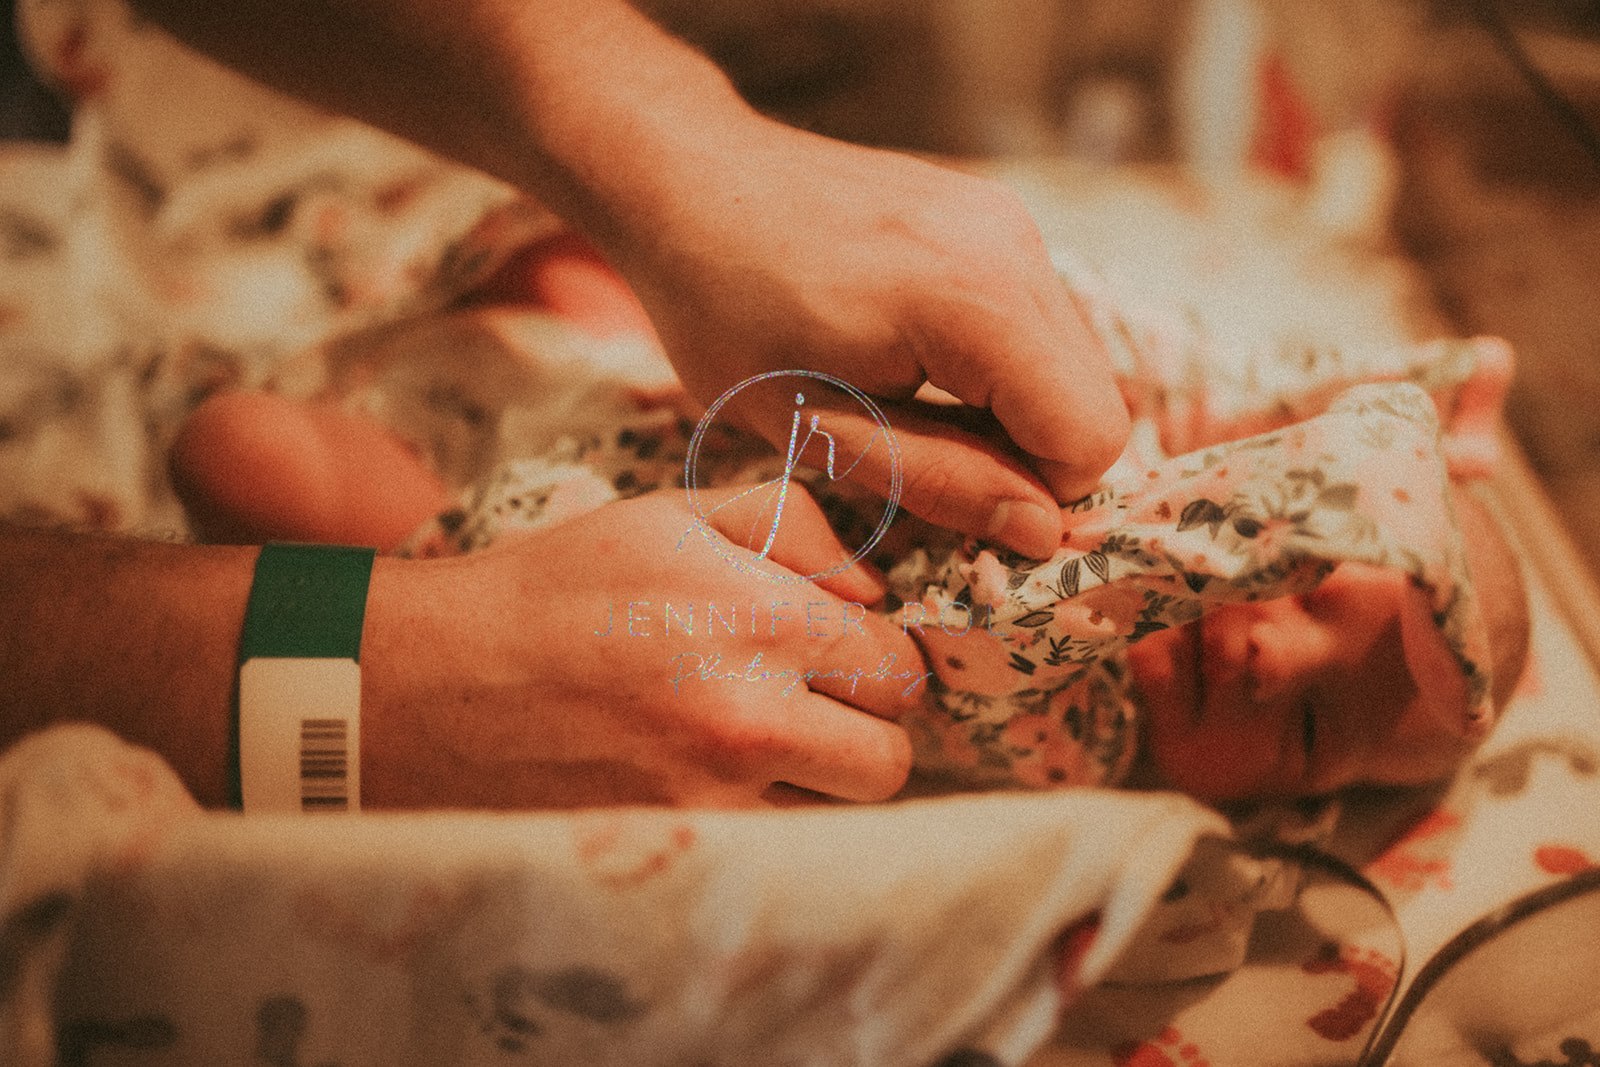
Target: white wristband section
column 300, row 735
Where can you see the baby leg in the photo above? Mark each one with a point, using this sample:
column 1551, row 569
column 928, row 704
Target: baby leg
column 253, row 467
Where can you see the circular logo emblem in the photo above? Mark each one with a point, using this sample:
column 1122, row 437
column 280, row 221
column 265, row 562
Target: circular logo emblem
column 811, row 445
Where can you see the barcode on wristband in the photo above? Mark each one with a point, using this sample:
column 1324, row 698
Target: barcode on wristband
column 324, row 765
column 299, row 735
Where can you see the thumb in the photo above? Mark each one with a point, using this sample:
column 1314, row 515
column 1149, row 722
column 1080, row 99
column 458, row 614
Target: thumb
column 783, row 525
column 1064, row 407
column 914, row 455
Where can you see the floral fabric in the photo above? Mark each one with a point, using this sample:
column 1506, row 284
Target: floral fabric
column 1196, row 390
column 1026, row 653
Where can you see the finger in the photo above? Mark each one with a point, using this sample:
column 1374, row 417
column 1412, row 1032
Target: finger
column 1063, row 480
column 1046, row 376
column 784, row 795
column 948, row 475
column 839, row 646
column 1057, row 397
column 781, row 522
column 967, row 478
column 839, row 751
column 871, row 663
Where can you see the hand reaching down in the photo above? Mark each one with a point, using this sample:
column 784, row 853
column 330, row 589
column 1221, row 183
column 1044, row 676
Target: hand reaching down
column 632, row 655
column 887, row 272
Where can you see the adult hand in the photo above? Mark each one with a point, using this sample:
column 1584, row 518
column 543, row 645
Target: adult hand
column 797, row 251
column 560, row 678
column 754, row 246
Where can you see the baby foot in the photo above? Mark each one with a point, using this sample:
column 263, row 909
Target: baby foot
column 1374, row 975
column 255, row 467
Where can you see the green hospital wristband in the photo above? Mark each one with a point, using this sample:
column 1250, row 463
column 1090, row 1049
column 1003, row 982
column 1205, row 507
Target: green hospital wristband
column 298, row 731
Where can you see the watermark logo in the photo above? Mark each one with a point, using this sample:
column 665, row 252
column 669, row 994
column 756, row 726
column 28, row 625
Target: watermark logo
column 810, row 444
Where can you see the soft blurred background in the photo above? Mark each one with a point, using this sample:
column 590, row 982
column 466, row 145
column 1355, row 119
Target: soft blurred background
column 1478, row 118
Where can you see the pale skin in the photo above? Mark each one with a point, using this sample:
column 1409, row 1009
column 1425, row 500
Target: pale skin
column 1350, row 684
column 753, row 247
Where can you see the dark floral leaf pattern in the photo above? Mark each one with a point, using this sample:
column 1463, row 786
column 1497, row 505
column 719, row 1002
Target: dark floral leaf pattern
column 1068, row 583
column 1342, row 497
column 1023, row 663
column 22, row 237
column 1202, row 512
column 588, row 992
column 1098, row 565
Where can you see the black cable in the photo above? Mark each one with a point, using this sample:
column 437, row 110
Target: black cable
column 1565, row 111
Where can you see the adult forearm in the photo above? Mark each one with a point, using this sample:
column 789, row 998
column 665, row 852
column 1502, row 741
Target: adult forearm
column 143, row 639
column 579, row 102
column 138, row 637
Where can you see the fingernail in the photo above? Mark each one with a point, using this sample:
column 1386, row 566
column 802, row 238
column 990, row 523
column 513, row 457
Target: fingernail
column 1026, row 527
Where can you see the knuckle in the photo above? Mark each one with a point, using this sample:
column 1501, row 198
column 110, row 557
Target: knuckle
column 736, row 746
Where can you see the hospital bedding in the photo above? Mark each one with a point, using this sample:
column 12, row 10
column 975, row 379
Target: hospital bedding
column 138, row 930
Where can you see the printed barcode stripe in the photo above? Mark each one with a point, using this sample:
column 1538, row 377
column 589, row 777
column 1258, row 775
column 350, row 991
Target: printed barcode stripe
column 324, row 765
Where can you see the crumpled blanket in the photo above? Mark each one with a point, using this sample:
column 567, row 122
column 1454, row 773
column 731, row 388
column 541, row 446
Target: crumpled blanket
column 921, row 933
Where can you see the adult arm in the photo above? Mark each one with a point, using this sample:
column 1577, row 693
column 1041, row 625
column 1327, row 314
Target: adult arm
column 136, row 636
column 508, row 678
column 754, row 246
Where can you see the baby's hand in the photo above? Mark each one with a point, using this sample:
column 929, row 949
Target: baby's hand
column 637, row 654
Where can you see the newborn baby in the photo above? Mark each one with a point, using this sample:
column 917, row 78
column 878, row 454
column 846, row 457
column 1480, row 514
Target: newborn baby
column 1347, row 684
column 1288, row 614
column 1252, row 618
